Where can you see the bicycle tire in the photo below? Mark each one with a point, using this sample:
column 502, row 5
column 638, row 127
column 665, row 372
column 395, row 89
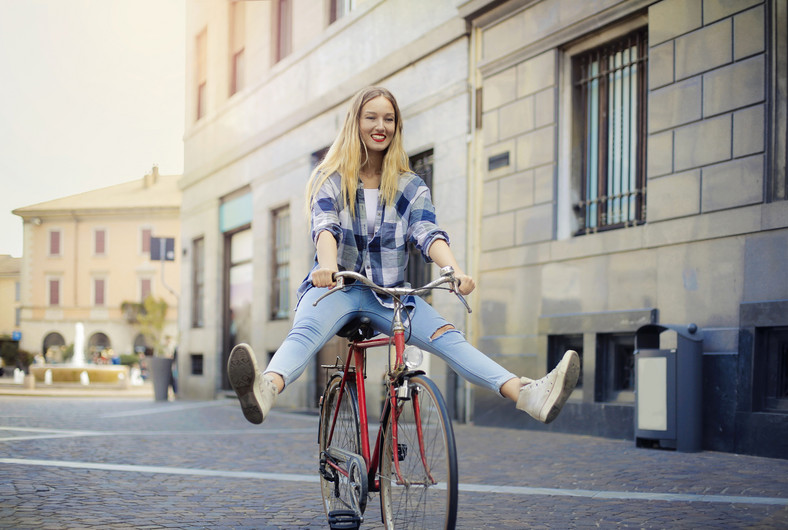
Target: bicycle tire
column 347, row 436
column 430, row 501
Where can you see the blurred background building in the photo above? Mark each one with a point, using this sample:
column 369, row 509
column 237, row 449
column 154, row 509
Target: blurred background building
column 600, row 166
column 87, row 258
column 10, row 299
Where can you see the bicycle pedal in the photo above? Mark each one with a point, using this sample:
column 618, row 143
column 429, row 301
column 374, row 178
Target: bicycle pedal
column 343, row 520
column 402, row 452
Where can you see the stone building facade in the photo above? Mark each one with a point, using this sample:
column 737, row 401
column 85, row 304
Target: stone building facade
column 87, row 256
column 600, row 165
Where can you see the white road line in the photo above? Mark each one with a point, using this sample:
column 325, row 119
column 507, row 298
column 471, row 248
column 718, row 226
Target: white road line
column 164, row 408
column 43, row 434
column 468, row 488
column 288, row 477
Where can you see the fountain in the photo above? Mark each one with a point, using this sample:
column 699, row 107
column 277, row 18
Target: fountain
column 79, row 345
column 80, row 372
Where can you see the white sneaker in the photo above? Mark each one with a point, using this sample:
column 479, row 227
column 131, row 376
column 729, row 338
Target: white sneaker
column 543, row 399
column 256, row 392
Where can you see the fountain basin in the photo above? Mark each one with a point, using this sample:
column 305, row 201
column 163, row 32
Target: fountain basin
column 97, row 373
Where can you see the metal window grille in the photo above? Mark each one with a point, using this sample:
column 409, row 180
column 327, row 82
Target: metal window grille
column 615, row 375
column 280, row 289
column 418, row 271
column 775, row 369
column 198, row 282
column 610, row 87
column 557, row 345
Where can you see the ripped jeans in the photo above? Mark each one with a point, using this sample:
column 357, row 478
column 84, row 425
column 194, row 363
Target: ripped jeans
column 314, row 326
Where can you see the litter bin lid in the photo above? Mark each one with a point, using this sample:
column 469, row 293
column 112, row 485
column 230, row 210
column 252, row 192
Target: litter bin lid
column 648, row 336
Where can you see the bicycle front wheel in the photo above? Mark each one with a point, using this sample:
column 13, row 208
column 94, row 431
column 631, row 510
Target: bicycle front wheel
column 423, row 492
column 340, row 491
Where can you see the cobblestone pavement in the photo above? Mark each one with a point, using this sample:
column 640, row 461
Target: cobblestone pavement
column 135, row 463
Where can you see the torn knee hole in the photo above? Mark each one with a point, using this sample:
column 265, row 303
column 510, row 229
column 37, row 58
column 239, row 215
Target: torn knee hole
column 441, row 330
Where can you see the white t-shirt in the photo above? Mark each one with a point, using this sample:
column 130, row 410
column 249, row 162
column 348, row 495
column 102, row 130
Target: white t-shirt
column 371, row 203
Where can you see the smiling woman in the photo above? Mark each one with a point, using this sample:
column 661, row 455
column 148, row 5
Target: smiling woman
column 355, row 229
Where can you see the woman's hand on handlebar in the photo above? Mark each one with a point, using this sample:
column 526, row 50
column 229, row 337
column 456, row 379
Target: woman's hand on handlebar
column 466, row 284
column 324, row 277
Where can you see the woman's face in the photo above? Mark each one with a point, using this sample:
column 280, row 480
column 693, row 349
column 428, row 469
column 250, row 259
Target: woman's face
column 377, row 124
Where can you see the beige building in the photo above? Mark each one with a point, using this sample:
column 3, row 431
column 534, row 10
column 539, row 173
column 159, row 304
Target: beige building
column 85, row 255
column 600, row 165
column 10, row 295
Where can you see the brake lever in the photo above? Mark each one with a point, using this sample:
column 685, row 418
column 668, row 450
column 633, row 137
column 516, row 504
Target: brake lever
column 338, row 287
column 448, row 272
column 456, row 291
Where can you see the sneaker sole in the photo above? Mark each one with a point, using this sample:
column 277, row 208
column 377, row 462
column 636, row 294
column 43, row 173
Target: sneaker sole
column 568, row 372
column 242, row 371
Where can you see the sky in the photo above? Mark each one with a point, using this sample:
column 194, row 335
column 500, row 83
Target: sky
column 91, row 95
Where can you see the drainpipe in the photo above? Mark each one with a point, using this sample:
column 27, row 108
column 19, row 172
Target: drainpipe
column 474, row 203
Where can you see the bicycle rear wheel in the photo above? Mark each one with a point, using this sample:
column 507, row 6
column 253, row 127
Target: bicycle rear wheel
column 341, row 492
column 424, row 493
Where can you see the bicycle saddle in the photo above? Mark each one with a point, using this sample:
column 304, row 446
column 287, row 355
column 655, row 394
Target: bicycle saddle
column 360, row 328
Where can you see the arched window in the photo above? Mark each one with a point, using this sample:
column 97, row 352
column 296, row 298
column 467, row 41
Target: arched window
column 54, row 347
column 140, row 345
column 97, row 343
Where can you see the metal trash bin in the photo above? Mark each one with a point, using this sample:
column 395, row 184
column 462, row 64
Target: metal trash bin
column 669, row 387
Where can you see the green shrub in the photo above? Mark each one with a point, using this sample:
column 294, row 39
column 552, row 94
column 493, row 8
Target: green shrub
column 9, row 351
column 25, row 357
column 129, row 359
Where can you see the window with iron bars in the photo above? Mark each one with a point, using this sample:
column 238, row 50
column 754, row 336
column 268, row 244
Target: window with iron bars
column 280, row 286
column 418, row 272
column 610, row 99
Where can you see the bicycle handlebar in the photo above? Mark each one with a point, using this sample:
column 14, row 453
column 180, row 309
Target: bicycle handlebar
column 447, row 276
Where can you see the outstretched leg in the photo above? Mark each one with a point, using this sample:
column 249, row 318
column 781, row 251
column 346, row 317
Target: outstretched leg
column 255, row 392
column 544, row 398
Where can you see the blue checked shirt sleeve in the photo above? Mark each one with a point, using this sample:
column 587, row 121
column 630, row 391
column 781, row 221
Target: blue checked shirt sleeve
column 423, row 230
column 325, row 210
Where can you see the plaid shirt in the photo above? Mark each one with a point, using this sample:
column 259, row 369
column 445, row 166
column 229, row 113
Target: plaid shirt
column 382, row 258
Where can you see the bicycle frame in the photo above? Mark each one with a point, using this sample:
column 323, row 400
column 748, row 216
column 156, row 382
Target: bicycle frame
column 397, row 373
column 356, row 355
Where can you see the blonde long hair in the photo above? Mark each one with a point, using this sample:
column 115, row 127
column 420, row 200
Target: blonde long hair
column 346, row 154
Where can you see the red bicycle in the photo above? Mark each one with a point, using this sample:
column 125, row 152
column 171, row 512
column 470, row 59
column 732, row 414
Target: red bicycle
column 413, row 462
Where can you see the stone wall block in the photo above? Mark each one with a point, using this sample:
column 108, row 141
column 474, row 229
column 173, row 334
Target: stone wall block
column 536, row 74
column 748, row 131
column 544, row 183
column 661, row 164
column 702, row 143
column 670, row 18
column 704, row 49
column 735, row 183
column 516, row 191
column 499, row 89
column 534, row 224
column 516, row 118
column 490, row 198
column 490, row 127
column 661, row 65
column 544, row 113
column 675, row 104
column 536, row 148
column 498, row 231
column 674, row 196
column 714, row 10
column 734, row 86
column 749, row 29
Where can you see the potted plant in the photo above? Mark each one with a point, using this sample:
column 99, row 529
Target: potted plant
column 151, row 319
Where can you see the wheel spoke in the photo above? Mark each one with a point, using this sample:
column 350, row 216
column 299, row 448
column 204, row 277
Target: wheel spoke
column 346, row 438
column 424, row 494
